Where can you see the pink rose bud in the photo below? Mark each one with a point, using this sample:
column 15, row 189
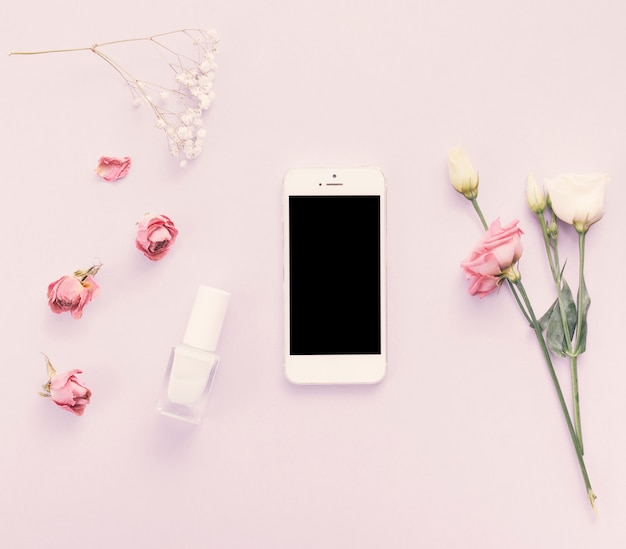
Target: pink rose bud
column 72, row 293
column 155, row 236
column 65, row 390
column 112, row 169
column 493, row 258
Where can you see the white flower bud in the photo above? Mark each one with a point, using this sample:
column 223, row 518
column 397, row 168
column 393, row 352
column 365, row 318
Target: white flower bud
column 535, row 195
column 463, row 176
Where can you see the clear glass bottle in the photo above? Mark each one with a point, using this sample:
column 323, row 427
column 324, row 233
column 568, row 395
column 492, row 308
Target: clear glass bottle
column 193, row 362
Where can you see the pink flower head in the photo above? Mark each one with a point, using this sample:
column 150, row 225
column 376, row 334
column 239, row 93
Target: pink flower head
column 112, row 169
column 155, row 235
column 493, row 257
column 65, row 390
column 67, row 393
column 72, row 293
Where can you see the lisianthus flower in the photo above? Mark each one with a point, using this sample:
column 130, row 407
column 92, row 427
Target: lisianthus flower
column 155, row 236
column 493, row 258
column 112, row 169
column 65, row 390
column 72, row 293
column 578, row 199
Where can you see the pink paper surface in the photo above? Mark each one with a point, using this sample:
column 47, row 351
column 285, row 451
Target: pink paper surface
column 463, row 444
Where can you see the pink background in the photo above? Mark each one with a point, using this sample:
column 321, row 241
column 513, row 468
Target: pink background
column 463, row 444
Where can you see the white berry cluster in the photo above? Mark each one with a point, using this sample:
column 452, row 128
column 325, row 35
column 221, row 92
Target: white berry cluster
column 179, row 109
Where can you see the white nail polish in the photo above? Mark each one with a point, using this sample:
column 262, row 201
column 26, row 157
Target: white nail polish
column 193, row 362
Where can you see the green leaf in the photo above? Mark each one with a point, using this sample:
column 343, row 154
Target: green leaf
column 581, row 338
column 543, row 321
column 567, row 302
column 555, row 332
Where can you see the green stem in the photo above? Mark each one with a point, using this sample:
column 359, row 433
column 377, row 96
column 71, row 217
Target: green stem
column 573, row 362
column 519, row 302
column 581, row 289
column 549, row 249
column 553, row 260
column 479, row 212
column 553, row 243
column 579, row 335
column 557, row 388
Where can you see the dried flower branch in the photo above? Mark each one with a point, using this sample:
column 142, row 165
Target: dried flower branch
column 178, row 108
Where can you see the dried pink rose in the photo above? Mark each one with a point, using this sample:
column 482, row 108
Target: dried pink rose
column 112, row 169
column 72, row 293
column 155, row 236
column 65, row 390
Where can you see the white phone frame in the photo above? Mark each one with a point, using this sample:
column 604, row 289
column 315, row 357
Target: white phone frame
column 335, row 369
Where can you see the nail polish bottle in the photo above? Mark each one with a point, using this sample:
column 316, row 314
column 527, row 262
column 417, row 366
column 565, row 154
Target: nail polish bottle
column 193, row 362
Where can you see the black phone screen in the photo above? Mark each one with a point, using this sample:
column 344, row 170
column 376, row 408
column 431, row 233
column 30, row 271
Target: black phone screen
column 335, row 275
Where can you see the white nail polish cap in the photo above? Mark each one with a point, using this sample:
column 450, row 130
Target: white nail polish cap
column 207, row 316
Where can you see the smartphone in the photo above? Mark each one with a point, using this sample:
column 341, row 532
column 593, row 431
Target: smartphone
column 335, row 275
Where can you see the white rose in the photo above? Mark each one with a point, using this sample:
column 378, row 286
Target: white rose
column 578, row 199
column 463, row 176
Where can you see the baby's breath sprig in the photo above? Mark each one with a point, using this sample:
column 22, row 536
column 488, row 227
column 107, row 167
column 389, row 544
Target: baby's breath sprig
column 178, row 108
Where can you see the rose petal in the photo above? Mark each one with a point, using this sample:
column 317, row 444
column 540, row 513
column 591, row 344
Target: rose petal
column 111, row 168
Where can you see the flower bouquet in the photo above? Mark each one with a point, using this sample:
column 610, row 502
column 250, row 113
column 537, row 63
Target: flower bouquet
column 576, row 200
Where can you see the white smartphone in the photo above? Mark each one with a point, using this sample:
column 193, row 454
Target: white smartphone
column 335, row 275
